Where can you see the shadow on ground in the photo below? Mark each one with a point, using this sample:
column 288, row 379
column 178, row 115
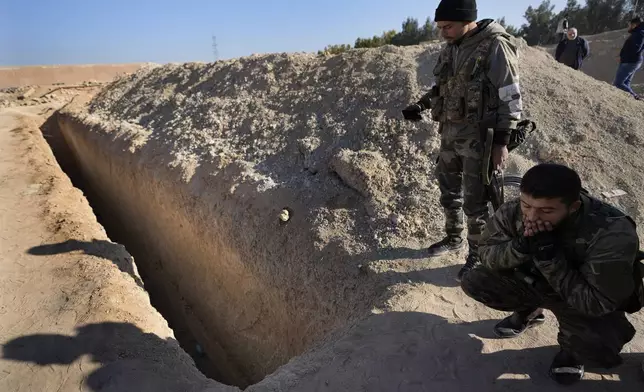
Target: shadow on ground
column 412, row 351
column 130, row 359
column 107, row 250
column 396, row 351
column 444, row 276
column 407, row 265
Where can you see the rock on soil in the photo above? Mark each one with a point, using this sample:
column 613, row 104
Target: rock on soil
column 365, row 171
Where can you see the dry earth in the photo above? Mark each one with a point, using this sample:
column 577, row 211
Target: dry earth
column 338, row 299
column 63, row 74
column 73, row 316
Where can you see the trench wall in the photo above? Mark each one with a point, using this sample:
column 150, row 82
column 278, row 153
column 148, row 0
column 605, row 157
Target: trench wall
column 255, row 292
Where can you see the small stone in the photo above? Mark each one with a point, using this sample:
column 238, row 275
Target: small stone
column 613, row 193
column 285, row 215
column 396, row 218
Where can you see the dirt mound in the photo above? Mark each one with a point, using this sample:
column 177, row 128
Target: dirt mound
column 604, row 52
column 204, row 157
column 287, row 117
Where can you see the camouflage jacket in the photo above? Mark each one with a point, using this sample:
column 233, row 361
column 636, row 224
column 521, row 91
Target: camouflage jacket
column 477, row 80
column 594, row 267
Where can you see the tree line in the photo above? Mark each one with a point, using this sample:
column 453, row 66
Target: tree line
column 596, row 16
column 412, row 33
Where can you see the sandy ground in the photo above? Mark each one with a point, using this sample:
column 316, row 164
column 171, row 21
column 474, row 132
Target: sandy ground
column 303, row 131
column 215, row 151
column 65, row 74
column 73, row 316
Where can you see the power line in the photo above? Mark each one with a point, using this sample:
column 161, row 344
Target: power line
column 215, row 51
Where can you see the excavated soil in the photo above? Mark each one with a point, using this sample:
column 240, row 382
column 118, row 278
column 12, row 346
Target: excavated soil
column 192, row 167
column 73, row 313
column 198, row 161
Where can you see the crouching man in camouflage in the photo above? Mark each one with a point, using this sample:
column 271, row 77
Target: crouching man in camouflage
column 560, row 249
column 476, row 87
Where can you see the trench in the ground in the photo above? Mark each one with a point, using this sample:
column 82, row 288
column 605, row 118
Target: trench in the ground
column 117, row 231
column 219, row 264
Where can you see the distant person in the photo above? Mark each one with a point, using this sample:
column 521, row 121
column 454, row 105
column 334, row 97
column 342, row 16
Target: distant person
column 485, row 90
column 630, row 57
column 560, row 249
column 572, row 51
column 562, row 29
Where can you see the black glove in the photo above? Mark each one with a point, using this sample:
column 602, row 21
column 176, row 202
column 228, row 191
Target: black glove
column 520, row 244
column 543, row 246
column 502, row 136
column 412, row 112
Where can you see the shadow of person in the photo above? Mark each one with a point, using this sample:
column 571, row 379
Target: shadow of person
column 130, row 359
column 107, row 250
column 413, row 351
column 443, row 276
column 399, row 265
column 401, row 253
column 395, row 351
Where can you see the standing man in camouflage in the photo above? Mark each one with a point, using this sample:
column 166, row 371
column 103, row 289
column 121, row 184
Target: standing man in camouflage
column 558, row 248
column 476, row 87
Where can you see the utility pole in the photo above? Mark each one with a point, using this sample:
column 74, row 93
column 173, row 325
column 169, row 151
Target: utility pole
column 215, row 51
column 634, row 12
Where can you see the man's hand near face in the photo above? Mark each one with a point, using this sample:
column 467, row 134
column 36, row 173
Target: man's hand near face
column 539, row 240
column 531, row 229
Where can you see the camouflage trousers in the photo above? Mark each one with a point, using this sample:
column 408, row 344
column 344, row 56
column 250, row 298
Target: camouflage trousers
column 458, row 171
column 593, row 340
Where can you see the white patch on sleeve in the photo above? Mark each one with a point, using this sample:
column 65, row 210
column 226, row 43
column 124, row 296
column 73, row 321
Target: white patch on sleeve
column 510, row 93
column 515, row 105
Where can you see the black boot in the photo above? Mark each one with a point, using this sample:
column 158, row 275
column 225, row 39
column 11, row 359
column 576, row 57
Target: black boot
column 517, row 323
column 472, row 261
column 566, row 369
column 446, row 245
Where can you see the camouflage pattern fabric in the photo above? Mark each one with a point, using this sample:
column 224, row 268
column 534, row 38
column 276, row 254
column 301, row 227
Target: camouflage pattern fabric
column 594, row 340
column 459, row 177
column 461, row 93
column 587, row 285
column 595, row 262
column 477, row 79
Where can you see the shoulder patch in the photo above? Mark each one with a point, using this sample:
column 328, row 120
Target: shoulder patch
column 510, row 93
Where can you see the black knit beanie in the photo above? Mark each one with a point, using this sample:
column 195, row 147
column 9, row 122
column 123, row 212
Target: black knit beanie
column 456, row 11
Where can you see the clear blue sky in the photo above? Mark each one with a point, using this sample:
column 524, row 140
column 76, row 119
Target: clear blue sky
column 116, row 31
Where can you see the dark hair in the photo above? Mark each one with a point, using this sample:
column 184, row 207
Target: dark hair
column 637, row 20
column 552, row 181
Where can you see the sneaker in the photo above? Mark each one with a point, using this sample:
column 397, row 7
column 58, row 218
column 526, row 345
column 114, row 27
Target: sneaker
column 446, row 245
column 515, row 324
column 471, row 262
column 566, row 369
